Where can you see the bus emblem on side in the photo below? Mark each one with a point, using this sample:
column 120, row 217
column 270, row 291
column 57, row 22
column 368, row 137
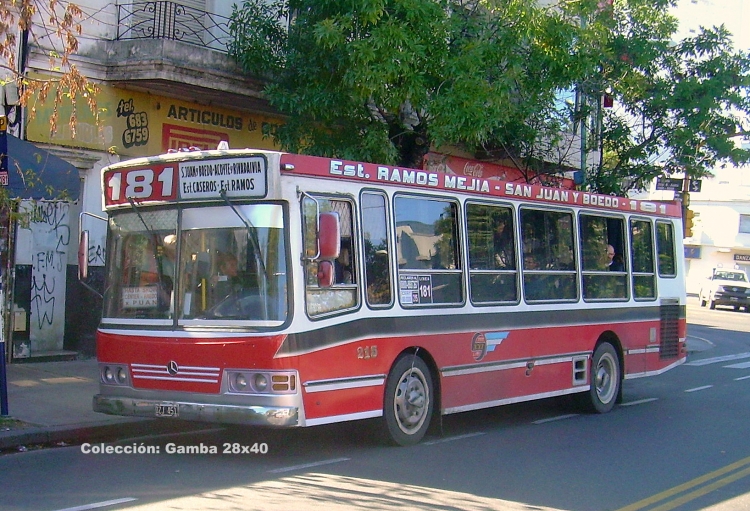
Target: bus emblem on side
column 479, row 346
column 172, row 367
column 482, row 344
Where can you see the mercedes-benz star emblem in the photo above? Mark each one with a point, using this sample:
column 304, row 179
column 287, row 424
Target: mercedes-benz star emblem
column 172, row 367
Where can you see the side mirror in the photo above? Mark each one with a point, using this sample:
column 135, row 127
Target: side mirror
column 83, row 260
column 329, row 235
column 325, row 274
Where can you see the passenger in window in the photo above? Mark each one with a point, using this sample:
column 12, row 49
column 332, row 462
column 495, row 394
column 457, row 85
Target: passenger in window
column 343, row 267
column 615, row 260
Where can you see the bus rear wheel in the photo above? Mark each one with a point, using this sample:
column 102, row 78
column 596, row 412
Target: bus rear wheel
column 605, row 378
column 408, row 401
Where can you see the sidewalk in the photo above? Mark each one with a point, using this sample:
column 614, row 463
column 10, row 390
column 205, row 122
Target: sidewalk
column 53, row 402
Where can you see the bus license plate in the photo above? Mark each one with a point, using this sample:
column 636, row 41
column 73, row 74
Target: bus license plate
column 167, row 410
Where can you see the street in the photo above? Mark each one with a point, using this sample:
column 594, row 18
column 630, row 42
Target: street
column 678, row 441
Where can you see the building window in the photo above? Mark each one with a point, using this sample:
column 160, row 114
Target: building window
column 744, row 224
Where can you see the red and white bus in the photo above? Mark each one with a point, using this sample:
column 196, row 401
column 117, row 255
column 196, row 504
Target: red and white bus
column 266, row 288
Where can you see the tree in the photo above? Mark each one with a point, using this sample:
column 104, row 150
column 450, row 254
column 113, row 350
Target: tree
column 58, row 24
column 54, row 25
column 679, row 104
column 385, row 81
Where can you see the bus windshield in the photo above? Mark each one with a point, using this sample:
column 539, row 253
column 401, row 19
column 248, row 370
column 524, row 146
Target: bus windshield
column 197, row 265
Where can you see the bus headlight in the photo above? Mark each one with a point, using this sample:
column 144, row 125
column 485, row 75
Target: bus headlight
column 260, row 382
column 122, row 376
column 109, row 375
column 113, row 374
column 246, row 381
column 239, row 382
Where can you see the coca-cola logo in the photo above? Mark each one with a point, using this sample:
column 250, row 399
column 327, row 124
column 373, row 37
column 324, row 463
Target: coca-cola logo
column 473, row 169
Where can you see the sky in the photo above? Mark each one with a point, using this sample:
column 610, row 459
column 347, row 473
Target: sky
column 734, row 14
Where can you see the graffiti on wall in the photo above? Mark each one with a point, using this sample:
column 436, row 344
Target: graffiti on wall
column 50, row 230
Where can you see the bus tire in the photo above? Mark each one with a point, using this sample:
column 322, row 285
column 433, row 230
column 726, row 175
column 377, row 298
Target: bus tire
column 605, row 379
column 408, row 402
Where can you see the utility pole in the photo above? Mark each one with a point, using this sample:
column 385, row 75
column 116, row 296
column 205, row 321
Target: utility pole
column 3, row 350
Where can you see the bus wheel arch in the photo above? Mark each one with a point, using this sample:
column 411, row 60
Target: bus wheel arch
column 607, row 374
column 410, row 398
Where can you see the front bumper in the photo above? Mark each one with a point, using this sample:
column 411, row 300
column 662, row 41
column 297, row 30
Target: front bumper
column 277, row 416
column 731, row 300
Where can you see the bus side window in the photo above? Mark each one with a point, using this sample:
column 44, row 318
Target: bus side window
column 549, row 269
column 665, row 244
column 642, row 241
column 427, row 251
column 342, row 293
column 377, row 249
column 492, row 255
column 600, row 236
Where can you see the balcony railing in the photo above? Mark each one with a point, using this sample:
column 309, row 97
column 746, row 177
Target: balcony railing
column 170, row 20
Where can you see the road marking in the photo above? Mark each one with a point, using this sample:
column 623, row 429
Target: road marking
column 716, row 360
column 558, row 418
column 307, row 465
column 695, row 483
column 701, row 339
column 452, row 438
column 741, row 365
column 696, row 389
column 169, row 435
column 97, row 505
column 640, row 401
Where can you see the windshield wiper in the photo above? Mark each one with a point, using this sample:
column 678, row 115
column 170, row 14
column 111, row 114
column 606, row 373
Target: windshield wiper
column 252, row 233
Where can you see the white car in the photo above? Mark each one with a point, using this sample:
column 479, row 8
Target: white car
column 726, row 287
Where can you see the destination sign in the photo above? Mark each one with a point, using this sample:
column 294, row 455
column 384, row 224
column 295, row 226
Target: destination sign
column 205, row 179
column 407, row 178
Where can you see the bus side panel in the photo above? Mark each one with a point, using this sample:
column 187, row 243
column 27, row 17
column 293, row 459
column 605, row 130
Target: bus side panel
column 333, row 403
column 513, row 366
column 359, row 369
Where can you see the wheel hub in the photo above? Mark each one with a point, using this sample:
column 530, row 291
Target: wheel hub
column 410, row 402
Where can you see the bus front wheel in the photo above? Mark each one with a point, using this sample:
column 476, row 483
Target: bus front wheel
column 408, row 401
column 605, row 378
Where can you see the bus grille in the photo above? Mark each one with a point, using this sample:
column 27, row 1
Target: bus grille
column 670, row 341
column 171, row 372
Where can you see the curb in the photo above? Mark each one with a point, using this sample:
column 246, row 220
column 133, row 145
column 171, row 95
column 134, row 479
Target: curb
column 14, row 440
